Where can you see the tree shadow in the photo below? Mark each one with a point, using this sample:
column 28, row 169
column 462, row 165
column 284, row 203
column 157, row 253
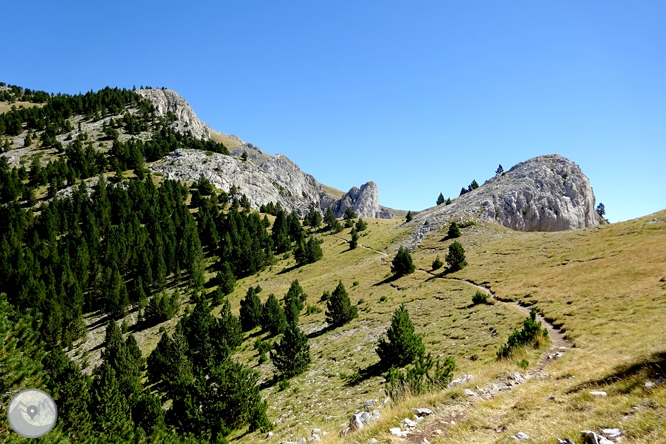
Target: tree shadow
column 375, row 369
column 321, row 331
column 287, row 270
column 653, row 366
column 388, row 280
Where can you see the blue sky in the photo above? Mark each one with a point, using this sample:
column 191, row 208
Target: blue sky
column 420, row 97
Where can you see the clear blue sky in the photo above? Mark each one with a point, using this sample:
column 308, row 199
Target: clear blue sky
column 420, row 97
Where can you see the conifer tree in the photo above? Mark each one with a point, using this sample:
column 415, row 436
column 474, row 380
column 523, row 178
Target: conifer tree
column 499, row 170
column 350, row 213
column 339, row 309
column 110, row 409
column 456, row 256
column 229, row 330
column 354, row 239
column 401, row 345
column 291, row 355
column 440, row 199
column 226, row 279
column 402, row 263
column 273, row 318
column 409, row 216
column 361, row 225
column 454, row 231
column 250, row 310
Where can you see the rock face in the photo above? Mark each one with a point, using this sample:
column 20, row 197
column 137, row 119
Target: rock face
column 364, row 202
column 264, row 179
column 270, row 179
column 166, row 100
column 545, row 193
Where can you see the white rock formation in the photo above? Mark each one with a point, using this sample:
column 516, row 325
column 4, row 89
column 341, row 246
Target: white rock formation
column 167, row 100
column 276, row 179
column 545, row 193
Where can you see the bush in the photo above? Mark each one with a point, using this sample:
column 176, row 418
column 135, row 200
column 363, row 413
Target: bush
column 523, row 363
column 403, row 345
column 283, row 385
column 312, row 309
column 437, row 264
column 419, row 379
column 402, row 263
column 479, row 298
column 325, row 296
column 530, row 334
column 361, row 225
column 349, row 223
column 162, row 308
column 456, row 256
column 273, row 318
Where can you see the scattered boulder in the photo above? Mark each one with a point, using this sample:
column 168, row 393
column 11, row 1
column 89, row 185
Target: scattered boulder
column 458, row 381
column 396, row 431
column 468, row 392
column 302, row 441
column 596, row 393
column 564, row 441
column 369, row 403
column 590, row 437
column 270, row 435
column 520, row 436
column 420, row 412
column 612, row 434
column 408, row 423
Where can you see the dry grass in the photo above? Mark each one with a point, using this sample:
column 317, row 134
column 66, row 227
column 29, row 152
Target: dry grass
column 226, row 141
column 6, row 107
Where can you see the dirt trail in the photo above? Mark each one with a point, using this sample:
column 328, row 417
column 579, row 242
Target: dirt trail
column 559, row 342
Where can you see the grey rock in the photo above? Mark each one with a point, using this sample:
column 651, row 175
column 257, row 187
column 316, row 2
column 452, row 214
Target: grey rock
column 397, row 431
column 590, row 437
column 520, row 436
column 345, row 432
column 369, row 403
column 458, row 381
column 468, row 392
column 302, row 441
column 383, row 403
column 277, row 179
column 545, row 193
column 597, row 393
column 611, row 433
column 167, row 100
column 270, row 434
column 375, row 415
column 408, row 423
column 422, row 412
column 564, row 441
column 364, row 202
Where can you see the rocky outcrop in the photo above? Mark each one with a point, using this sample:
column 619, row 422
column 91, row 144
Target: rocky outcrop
column 273, row 179
column 264, row 179
column 167, row 100
column 364, row 202
column 545, row 193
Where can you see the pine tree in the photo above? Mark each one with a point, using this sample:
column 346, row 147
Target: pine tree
column 402, row 263
column 250, row 310
column 110, row 410
column 440, row 199
column 456, row 256
column 350, row 214
column 499, row 170
column 409, row 216
column 229, row 330
column 354, row 239
column 454, row 231
column 403, row 345
column 601, row 209
column 226, row 279
column 291, row 356
column 339, row 309
column 437, row 263
column 329, row 219
column 273, row 318
column 361, row 225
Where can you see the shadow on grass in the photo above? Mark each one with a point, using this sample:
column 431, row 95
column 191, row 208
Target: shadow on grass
column 321, row 331
column 652, row 367
column 287, row 270
column 375, row 369
column 388, row 280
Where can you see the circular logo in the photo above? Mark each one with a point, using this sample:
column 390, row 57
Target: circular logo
column 32, row 413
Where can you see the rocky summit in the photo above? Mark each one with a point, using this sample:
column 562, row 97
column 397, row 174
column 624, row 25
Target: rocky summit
column 265, row 179
column 545, row 193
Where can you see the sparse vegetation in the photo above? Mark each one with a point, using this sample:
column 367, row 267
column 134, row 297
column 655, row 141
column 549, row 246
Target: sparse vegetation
column 456, row 256
column 402, row 263
column 529, row 335
column 479, row 298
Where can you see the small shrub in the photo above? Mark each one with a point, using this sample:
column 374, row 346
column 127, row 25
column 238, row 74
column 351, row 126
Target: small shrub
column 523, row 363
column 355, row 283
column 209, row 153
column 479, row 298
column 421, row 378
column 454, row 231
column 383, row 299
column 283, row 385
column 312, row 309
column 360, row 301
column 519, row 338
column 325, row 296
column 437, row 263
